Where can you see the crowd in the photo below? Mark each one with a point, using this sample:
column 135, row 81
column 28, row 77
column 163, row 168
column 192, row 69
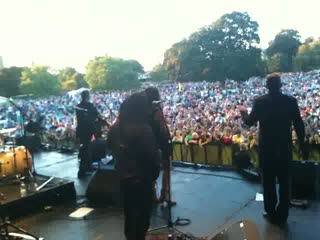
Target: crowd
column 196, row 113
column 209, row 112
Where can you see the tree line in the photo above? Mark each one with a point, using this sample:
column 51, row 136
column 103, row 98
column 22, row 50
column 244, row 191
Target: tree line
column 229, row 48
column 101, row 73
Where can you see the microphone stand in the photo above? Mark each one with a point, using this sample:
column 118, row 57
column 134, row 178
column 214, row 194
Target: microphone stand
column 170, row 224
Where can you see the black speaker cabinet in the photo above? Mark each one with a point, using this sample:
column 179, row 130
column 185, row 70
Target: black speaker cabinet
column 98, row 150
column 304, row 176
column 104, row 189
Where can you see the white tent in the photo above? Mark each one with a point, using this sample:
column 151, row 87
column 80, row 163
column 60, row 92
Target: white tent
column 76, row 92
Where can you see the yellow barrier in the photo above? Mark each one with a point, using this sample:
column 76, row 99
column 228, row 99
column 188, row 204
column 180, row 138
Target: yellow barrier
column 213, row 156
column 226, row 155
column 177, row 152
column 219, row 154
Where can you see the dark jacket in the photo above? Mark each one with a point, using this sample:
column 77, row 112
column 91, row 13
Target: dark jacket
column 135, row 150
column 86, row 119
column 276, row 113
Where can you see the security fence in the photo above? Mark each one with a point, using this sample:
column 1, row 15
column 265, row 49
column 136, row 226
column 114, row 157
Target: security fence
column 219, row 154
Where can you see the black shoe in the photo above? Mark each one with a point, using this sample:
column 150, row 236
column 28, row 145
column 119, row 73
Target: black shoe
column 281, row 222
column 271, row 217
column 282, row 217
column 275, row 219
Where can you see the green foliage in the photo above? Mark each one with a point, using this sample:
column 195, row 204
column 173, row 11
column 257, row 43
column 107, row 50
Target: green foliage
column 10, row 81
column 274, row 63
column 70, row 79
column 80, row 81
column 286, row 44
column 158, row 73
column 308, row 56
column 112, row 73
column 39, row 81
column 225, row 49
column 136, row 66
column 172, row 56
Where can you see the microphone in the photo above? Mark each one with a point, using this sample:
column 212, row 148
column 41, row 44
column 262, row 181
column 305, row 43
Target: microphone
column 80, row 109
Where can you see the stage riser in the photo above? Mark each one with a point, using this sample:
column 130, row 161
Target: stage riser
column 61, row 193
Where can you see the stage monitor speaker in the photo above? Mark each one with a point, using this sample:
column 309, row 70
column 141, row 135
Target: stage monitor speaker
column 304, row 179
column 104, row 189
column 98, row 150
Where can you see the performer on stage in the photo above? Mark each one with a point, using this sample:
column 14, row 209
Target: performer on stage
column 86, row 114
column 162, row 134
column 137, row 157
column 275, row 113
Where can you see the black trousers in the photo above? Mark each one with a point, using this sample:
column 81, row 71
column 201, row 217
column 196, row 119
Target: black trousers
column 137, row 207
column 270, row 174
column 84, row 154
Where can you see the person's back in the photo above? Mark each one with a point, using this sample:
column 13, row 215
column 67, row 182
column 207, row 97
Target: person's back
column 133, row 144
column 134, row 148
column 86, row 115
column 275, row 113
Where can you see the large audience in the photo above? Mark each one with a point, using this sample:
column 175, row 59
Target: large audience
column 195, row 112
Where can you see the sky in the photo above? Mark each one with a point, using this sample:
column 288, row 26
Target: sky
column 63, row 33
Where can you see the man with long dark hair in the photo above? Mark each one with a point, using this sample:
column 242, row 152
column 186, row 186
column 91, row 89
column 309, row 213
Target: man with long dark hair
column 275, row 113
column 137, row 158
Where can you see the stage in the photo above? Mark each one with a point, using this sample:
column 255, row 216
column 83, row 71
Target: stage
column 212, row 200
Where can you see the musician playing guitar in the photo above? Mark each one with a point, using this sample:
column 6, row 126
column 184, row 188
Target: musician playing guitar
column 87, row 116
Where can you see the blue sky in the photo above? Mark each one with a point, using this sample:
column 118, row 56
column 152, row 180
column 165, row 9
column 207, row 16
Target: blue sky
column 71, row 32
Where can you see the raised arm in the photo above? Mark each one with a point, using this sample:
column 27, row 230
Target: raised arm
column 251, row 118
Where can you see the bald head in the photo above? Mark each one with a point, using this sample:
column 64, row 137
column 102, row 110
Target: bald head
column 274, row 82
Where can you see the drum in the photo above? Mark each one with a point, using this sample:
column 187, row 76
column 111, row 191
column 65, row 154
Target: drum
column 10, row 165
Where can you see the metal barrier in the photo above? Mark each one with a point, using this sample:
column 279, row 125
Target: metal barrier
column 219, row 154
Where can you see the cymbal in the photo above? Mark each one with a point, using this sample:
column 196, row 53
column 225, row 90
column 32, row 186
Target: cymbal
column 8, row 130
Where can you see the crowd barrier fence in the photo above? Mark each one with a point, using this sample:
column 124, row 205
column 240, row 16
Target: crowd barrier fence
column 222, row 155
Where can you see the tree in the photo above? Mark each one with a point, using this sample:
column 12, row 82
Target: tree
column 158, row 73
column 231, row 46
column 171, row 62
column 225, row 49
column 273, row 63
column 309, row 40
column 136, row 66
column 70, row 79
column 308, row 56
column 285, row 43
column 39, row 81
column 80, row 81
column 112, row 73
column 10, row 81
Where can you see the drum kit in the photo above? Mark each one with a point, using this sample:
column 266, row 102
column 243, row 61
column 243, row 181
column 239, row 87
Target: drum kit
column 14, row 160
